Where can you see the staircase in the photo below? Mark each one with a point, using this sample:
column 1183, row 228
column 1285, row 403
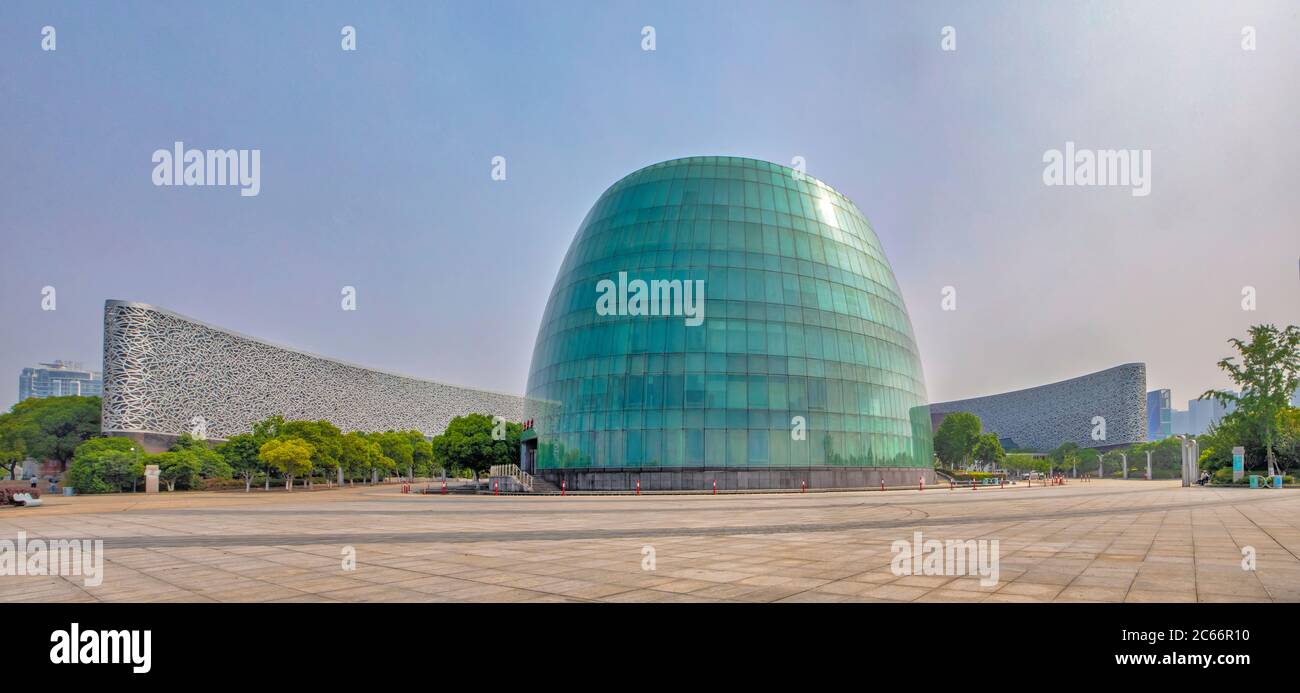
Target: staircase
column 541, row 485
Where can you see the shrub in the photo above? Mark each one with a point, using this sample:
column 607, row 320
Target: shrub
column 7, row 494
column 104, row 471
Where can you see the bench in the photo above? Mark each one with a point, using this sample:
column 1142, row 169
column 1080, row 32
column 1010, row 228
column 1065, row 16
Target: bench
column 26, row 500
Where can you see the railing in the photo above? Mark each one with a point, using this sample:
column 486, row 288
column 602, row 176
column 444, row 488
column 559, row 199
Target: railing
column 513, row 471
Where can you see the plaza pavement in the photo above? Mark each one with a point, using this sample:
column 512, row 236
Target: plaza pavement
column 1105, row 541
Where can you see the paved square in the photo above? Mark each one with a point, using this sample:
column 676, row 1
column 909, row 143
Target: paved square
column 1105, row 541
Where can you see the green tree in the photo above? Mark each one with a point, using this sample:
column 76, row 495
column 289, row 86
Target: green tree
column 178, row 469
column 421, row 454
column 14, row 434
column 211, row 464
column 1068, row 456
column 360, row 455
column 106, row 465
column 468, row 443
column 325, row 439
column 241, row 453
column 398, row 448
column 1268, row 374
column 956, row 438
column 988, row 449
column 51, row 427
column 292, row 456
column 103, row 465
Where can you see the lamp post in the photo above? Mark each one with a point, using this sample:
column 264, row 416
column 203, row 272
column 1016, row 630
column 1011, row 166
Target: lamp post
column 1148, row 465
column 1194, row 458
column 1124, row 456
column 1183, row 447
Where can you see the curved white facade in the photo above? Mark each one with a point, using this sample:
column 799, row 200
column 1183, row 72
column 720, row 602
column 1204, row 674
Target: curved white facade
column 1043, row 417
column 168, row 374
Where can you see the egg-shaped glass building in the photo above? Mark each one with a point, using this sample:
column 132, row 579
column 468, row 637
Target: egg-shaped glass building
column 731, row 320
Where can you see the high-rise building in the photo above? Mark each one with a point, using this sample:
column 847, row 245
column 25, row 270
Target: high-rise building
column 1204, row 413
column 58, row 379
column 1159, row 415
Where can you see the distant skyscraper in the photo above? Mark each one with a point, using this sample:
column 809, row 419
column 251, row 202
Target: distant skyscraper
column 1204, row 413
column 57, row 380
column 1180, row 422
column 1159, row 415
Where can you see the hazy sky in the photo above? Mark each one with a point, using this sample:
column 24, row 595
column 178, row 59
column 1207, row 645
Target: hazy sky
column 375, row 168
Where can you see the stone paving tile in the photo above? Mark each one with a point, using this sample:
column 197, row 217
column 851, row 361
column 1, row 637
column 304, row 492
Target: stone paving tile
column 1107, row 541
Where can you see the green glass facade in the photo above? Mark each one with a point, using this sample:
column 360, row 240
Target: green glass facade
column 802, row 318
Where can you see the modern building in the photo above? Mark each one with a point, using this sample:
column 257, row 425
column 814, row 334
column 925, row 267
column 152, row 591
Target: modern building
column 1100, row 410
column 166, row 374
column 1159, row 415
column 58, row 379
column 1204, row 413
column 1199, row 416
column 728, row 320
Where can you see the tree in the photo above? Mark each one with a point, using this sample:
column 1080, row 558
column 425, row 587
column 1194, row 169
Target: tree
column 211, row 464
column 263, row 431
column 398, row 448
column 360, row 455
column 104, row 465
column 468, row 442
column 421, row 454
column 241, row 453
column 1166, row 457
column 1067, row 455
column 181, row 469
column 1268, row 374
column 52, row 427
column 325, row 439
column 956, row 438
column 14, row 434
column 292, row 456
column 988, row 449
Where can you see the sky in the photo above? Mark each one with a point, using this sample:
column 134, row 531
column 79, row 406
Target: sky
column 376, row 168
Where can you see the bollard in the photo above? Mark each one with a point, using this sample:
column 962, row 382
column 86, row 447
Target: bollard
column 920, row 482
column 882, row 483
column 804, row 486
column 972, row 484
column 638, row 487
column 715, row 487
column 563, row 484
column 444, row 487
column 496, row 488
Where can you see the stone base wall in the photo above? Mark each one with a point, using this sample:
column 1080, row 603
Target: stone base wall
column 735, row 479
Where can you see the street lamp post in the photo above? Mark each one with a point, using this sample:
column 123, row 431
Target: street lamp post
column 1183, row 447
column 1149, row 465
column 1124, row 457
